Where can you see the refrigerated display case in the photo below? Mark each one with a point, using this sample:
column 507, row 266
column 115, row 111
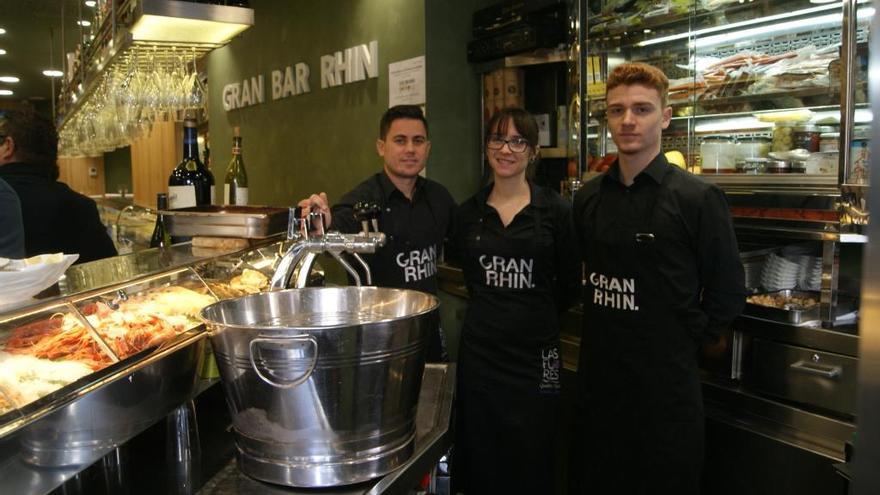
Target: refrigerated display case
column 118, row 348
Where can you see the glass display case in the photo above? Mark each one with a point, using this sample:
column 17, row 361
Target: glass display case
column 117, row 348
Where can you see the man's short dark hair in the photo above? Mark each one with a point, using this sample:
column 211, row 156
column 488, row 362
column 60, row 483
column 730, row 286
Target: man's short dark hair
column 36, row 140
column 400, row 112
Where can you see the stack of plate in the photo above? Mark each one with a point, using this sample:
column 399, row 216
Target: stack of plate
column 810, row 274
column 779, row 273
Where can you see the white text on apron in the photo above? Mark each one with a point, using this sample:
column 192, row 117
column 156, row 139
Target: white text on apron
column 508, row 273
column 418, row 264
column 613, row 292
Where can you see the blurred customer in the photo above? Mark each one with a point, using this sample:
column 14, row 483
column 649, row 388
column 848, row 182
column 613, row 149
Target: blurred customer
column 11, row 228
column 56, row 219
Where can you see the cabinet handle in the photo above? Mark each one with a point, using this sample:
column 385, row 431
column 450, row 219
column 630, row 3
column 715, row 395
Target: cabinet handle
column 813, row 369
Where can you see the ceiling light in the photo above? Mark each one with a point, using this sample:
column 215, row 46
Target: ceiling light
column 2, row 31
column 84, row 23
column 91, row 3
column 2, row 51
column 159, row 22
column 9, row 79
column 52, row 73
column 5, row 92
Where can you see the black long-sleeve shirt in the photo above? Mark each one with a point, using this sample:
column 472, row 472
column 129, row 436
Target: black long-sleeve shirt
column 701, row 265
column 56, row 218
column 11, row 229
column 415, row 230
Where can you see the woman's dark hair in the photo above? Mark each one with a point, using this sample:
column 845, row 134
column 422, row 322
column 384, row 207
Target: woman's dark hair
column 522, row 120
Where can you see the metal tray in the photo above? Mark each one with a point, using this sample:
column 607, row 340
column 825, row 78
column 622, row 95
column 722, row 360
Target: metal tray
column 792, row 316
column 249, row 222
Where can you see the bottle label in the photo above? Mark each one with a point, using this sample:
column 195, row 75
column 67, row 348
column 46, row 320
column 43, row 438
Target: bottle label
column 240, row 193
column 213, row 194
column 236, row 150
column 181, row 196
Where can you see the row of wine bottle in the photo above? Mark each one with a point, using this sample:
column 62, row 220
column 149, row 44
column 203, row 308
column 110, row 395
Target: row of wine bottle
column 192, row 184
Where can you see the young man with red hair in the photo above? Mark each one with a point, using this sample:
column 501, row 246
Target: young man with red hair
column 663, row 273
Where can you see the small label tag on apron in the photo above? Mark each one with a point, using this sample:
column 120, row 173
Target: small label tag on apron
column 550, row 370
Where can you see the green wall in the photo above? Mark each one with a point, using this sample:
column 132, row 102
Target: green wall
column 454, row 109
column 318, row 141
column 117, row 170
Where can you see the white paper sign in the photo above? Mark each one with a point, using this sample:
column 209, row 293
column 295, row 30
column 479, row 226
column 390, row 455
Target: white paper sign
column 406, row 82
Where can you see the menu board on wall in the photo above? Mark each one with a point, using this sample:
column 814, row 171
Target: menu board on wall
column 406, row 82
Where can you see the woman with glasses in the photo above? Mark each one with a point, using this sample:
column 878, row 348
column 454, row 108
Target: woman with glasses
column 517, row 247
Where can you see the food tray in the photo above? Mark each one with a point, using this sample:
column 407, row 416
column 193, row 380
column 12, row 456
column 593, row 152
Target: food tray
column 792, row 316
column 249, row 222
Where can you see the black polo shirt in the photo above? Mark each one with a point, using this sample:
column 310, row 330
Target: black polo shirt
column 56, row 218
column 415, row 230
column 701, row 266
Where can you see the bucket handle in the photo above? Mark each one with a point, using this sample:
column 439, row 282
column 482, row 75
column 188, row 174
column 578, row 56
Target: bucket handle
column 254, row 345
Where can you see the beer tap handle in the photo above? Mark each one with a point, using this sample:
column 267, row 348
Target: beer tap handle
column 367, row 213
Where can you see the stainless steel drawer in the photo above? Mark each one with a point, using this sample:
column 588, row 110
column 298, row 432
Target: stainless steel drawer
column 821, row 379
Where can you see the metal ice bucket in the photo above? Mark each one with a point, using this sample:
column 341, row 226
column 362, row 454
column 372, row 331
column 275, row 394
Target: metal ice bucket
column 323, row 382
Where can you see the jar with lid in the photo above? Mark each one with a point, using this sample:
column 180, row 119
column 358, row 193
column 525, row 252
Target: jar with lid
column 805, row 137
column 752, row 147
column 829, row 141
column 782, row 136
column 718, row 154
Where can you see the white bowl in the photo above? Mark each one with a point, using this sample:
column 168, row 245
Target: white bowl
column 22, row 279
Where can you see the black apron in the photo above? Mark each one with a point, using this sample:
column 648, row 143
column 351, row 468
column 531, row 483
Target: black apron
column 406, row 264
column 641, row 418
column 509, row 364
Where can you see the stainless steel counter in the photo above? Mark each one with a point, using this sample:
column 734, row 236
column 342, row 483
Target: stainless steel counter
column 433, row 439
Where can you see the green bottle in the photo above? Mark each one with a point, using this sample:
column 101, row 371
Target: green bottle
column 235, row 186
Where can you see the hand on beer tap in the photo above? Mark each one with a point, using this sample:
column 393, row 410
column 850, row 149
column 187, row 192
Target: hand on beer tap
column 317, row 203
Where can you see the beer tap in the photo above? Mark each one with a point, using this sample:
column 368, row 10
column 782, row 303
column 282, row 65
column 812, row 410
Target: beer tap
column 309, row 241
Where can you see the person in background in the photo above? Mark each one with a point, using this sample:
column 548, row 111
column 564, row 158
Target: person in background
column 663, row 272
column 415, row 212
column 11, row 228
column 56, row 219
column 517, row 247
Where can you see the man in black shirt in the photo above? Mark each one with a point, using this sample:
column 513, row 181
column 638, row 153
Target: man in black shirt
column 11, row 229
column 56, row 219
column 663, row 272
column 415, row 213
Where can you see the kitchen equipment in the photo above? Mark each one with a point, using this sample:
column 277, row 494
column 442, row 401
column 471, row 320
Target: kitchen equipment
column 718, row 154
column 251, row 222
column 793, row 314
column 322, row 383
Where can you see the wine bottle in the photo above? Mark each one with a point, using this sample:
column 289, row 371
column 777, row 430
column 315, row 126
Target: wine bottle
column 235, row 186
column 190, row 183
column 160, row 237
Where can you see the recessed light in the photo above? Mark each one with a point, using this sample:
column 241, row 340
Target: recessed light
column 2, row 31
column 52, row 73
column 91, row 3
column 9, row 79
column 84, row 23
column 5, row 92
column 2, row 51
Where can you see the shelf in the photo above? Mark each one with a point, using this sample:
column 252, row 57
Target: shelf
column 554, row 152
column 798, row 181
column 537, row 57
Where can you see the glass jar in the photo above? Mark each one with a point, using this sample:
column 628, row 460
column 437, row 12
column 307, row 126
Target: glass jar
column 718, row 154
column 782, row 136
column 752, row 147
column 805, row 137
column 829, row 141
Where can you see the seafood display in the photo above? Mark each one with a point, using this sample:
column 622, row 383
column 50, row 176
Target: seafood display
column 42, row 356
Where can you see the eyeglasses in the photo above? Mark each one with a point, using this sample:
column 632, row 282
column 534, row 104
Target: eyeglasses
column 516, row 144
